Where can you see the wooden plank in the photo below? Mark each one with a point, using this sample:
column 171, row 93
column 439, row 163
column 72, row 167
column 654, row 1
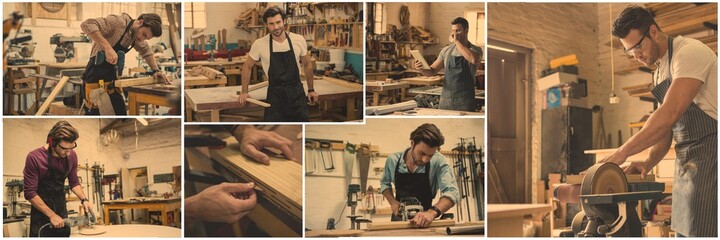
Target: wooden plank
column 121, row 83
column 334, row 233
column 281, row 181
column 407, row 225
column 51, row 97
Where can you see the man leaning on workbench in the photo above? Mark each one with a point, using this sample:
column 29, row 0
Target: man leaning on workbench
column 420, row 171
column 279, row 52
column 113, row 36
column 46, row 169
column 460, row 61
column 686, row 87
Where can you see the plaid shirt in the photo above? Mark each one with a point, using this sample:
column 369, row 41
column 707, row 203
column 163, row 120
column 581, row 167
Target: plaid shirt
column 112, row 28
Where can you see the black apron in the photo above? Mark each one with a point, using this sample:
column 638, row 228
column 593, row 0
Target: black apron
column 51, row 191
column 285, row 93
column 458, row 92
column 413, row 185
column 106, row 71
column 694, row 205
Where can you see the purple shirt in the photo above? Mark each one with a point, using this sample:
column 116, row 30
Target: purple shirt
column 36, row 169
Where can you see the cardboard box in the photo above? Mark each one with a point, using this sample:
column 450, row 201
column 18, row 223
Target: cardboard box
column 555, row 79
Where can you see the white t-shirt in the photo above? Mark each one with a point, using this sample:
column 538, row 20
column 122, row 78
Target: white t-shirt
column 260, row 49
column 693, row 59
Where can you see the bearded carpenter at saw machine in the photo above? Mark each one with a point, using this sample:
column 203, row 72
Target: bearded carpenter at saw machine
column 420, row 172
column 113, row 36
column 460, row 61
column 279, row 52
column 46, row 169
column 685, row 84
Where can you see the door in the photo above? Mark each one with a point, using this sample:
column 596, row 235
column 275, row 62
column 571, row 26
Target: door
column 509, row 166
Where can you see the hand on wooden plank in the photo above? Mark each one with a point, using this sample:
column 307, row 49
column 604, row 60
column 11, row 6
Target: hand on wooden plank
column 252, row 141
column 161, row 75
column 635, row 168
column 222, row 203
column 617, row 157
column 423, row 219
column 313, row 97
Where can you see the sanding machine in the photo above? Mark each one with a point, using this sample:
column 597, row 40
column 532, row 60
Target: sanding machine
column 608, row 202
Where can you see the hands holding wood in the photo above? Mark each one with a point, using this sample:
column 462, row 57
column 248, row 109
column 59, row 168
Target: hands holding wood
column 252, row 141
column 225, row 202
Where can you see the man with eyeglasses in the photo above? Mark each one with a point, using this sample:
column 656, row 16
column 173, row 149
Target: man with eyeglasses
column 46, row 169
column 420, row 172
column 686, row 88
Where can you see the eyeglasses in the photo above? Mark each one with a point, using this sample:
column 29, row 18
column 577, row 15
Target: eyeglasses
column 67, row 149
column 637, row 47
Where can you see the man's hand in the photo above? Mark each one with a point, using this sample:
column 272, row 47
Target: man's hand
column 88, row 207
column 635, row 168
column 312, row 97
column 418, row 65
column 253, row 140
column 616, row 158
column 161, row 75
column 423, row 219
column 395, row 207
column 56, row 221
column 225, row 202
column 242, row 99
column 111, row 56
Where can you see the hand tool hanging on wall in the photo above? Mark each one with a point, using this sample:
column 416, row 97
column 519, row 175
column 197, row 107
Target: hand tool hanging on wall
column 310, row 154
column 363, row 156
column 328, row 146
column 349, row 161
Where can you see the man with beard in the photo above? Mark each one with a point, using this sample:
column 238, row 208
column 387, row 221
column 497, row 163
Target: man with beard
column 460, row 61
column 420, row 171
column 686, row 88
column 111, row 35
column 279, row 52
column 46, row 169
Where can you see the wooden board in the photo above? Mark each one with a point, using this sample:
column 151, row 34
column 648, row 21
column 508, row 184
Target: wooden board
column 135, row 230
column 334, row 233
column 407, row 225
column 44, row 107
column 67, row 65
column 121, row 83
column 281, row 181
column 425, row 81
column 226, row 97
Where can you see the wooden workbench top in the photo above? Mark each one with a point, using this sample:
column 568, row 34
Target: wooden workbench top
column 152, row 89
column 226, row 97
column 238, row 60
column 142, row 200
column 133, row 230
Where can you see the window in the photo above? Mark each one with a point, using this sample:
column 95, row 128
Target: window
column 379, row 21
column 476, row 33
column 195, row 16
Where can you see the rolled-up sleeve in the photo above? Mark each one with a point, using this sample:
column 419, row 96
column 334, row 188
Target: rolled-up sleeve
column 446, row 181
column 388, row 174
column 31, row 176
column 101, row 24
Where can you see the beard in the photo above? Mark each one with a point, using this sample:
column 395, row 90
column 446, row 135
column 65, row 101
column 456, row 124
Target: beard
column 278, row 32
column 415, row 160
column 652, row 56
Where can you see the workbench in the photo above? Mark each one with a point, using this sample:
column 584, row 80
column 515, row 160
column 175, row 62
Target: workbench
column 151, row 204
column 133, row 230
column 200, row 80
column 506, row 220
column 148, row 94
column 380, row 87
column 60, row 69
column 233, row 68
column 220, row 98
column 414, row 232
